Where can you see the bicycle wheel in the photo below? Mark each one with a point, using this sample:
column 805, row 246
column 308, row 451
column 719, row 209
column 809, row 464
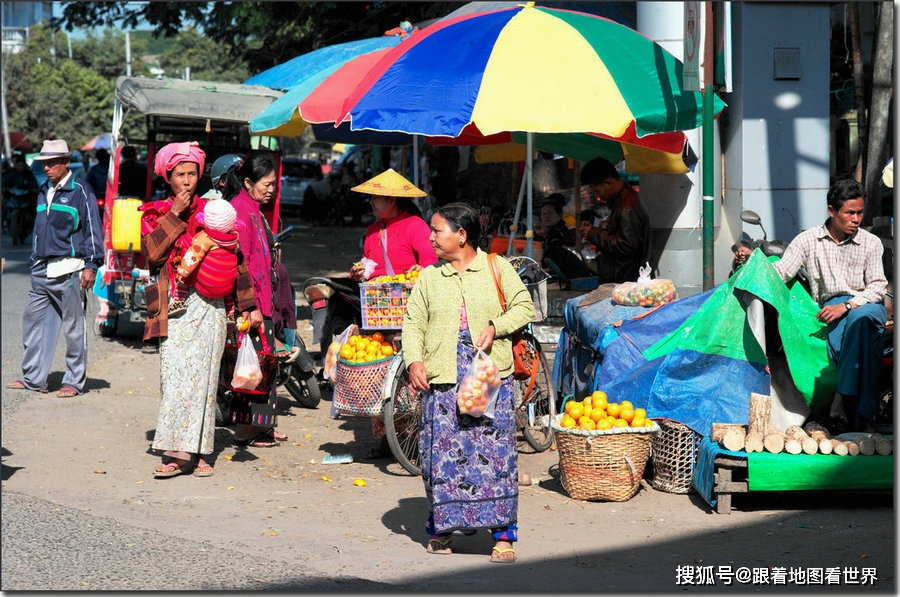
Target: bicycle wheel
column 541, row 407
column 401, row 416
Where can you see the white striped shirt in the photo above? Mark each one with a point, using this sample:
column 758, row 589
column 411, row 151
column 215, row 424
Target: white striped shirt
column 852, row 267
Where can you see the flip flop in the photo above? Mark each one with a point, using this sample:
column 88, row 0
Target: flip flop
column 439, row 546
column 171, row 469
column 20, row 385
column 67, row 391
column 263, row 440
column 499, row 559
column 203, row 470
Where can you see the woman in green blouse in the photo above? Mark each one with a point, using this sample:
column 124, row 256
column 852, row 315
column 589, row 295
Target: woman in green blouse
column 468, row 463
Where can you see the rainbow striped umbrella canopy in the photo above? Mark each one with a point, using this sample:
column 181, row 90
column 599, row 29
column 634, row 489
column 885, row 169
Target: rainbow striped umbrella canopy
column 530, row 69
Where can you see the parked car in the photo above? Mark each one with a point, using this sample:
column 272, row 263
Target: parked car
column 296, row 175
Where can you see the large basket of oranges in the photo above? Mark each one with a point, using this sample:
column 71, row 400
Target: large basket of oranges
column 359, row 374
column 605, row 463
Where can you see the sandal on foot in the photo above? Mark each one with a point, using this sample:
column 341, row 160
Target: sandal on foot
column 67, row 391
column 170, row 469
column 20, row 385
column 263, row 440
column 499, row 559
column 439, row 546
column 203, row 470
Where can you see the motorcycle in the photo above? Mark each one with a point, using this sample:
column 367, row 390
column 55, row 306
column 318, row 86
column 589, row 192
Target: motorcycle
column 335, row 305
column 769, row 248
column 297, row 373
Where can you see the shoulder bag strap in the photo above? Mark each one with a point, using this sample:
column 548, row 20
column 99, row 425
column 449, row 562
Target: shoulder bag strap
column 495, row 274
column 387, row 262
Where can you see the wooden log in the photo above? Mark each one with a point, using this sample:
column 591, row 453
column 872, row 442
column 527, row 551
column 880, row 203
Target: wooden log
column 734, row 439
column 852, row 448
column 760, row 413
column 796, row 432
column 818, row 435
column 838, row 447
column 753, row 442
column 718, row 430
column 882, row 445
column 866, row 446
column 773, row 442
column 792, row 446
column 807, row 444
column 825, row 446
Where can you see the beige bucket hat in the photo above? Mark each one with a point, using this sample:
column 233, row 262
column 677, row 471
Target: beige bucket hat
column 52, row 149
column 389, row 184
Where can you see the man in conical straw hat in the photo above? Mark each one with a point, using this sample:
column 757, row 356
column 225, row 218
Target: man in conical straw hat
column 398, row 241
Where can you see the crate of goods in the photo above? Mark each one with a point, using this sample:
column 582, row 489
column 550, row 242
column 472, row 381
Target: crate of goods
column 674, row 456
column 602, row 465
column 383, row 304
column 358, row 389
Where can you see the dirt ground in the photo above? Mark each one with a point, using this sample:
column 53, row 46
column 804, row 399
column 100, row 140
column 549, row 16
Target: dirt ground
column 284, row 503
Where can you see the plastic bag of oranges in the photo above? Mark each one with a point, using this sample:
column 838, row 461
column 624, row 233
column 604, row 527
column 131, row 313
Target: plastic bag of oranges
column 329, row 371
column 477, row 394
column 646, row 292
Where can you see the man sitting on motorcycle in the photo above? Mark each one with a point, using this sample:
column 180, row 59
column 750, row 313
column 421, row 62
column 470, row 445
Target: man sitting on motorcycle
column 20, row 189
column 846, row 277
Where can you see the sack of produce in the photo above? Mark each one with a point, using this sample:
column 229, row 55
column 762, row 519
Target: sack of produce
column 646, row 292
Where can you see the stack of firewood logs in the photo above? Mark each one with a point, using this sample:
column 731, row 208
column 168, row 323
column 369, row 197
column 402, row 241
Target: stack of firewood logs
column 814, row 439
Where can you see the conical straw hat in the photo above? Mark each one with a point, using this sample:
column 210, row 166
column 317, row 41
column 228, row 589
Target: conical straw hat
column 389, row 184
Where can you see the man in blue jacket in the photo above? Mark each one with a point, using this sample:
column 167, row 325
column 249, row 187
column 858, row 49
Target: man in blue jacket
column 67, row 249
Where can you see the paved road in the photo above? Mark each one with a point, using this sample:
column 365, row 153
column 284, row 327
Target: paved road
column 81, row 510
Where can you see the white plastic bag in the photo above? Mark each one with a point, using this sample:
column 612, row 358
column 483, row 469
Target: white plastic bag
column 646, row 292
column 368, row 267
column 329, row 371
column 477, row 393
column 247, row 373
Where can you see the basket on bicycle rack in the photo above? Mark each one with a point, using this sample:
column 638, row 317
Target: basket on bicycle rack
column 535, row 279
column 359, row 387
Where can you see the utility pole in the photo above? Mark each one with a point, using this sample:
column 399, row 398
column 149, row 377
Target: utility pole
column 128, row 53
column 7, row 146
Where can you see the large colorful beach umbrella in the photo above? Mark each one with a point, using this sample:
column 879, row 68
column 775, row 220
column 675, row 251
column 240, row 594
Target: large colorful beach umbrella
column 529, row 69
column 526, row 69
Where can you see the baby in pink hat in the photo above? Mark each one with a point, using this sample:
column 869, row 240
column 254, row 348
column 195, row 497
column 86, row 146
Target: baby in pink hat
column 210, row 264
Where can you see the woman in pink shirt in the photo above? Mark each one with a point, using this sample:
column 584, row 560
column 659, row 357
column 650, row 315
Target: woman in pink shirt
column 397, row 242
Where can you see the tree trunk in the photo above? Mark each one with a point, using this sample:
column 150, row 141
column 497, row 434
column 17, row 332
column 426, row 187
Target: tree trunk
column 879, row 110
column 859, row 89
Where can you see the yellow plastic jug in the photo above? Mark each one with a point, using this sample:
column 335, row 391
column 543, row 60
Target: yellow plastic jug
column 126, row 225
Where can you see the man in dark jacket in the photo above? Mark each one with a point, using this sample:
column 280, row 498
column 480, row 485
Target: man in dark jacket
column 623, row 239
column 67, row 250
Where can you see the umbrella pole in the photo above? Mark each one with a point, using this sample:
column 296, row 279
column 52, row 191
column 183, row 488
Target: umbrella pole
column 415, row 168
column 515, row 224
column 529, row 163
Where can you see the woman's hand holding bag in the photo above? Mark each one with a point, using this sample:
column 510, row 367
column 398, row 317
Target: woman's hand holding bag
column 247, row 372
column 477, row 394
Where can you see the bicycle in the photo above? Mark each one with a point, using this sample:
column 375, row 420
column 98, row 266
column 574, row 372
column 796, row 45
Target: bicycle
column 535, row 398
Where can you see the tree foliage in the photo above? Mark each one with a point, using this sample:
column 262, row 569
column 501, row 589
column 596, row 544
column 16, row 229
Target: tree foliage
column 261, row 34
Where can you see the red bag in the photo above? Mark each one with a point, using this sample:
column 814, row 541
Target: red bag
column 525, row 363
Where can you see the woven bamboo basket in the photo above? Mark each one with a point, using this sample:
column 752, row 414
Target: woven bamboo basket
column 359, row 387
column 674, row 455
column 602, row 465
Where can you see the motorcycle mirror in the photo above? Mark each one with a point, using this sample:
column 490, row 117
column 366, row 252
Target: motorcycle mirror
column 750, row 217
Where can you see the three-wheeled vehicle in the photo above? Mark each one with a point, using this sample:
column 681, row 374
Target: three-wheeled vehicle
column 216, row 115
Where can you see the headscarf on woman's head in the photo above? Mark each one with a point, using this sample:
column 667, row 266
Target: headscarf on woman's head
column 174, row 153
